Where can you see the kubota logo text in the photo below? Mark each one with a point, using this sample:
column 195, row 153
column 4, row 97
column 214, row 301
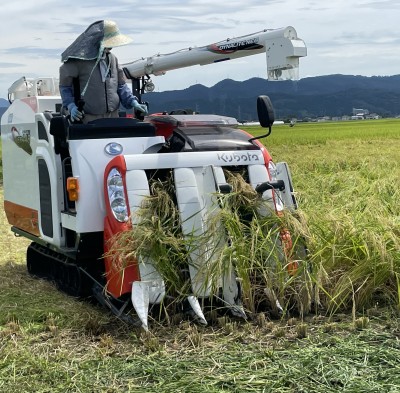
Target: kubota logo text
column 238, row 157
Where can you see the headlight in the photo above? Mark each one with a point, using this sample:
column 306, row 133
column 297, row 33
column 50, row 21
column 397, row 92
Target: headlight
column 273, row 173
column 272, row 170
column 116, row 195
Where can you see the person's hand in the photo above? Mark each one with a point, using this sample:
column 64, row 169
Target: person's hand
column 139, row 107
column 76, row 115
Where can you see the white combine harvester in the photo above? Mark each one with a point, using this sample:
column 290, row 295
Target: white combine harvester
column 70, row 188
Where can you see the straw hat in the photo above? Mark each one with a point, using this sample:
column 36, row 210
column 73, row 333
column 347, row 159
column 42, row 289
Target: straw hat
column 112, row 36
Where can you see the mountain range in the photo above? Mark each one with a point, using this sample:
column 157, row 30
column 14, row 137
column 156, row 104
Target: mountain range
column 329, row 95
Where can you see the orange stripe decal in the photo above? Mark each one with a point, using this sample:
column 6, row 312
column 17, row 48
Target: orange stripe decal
column 22, row 217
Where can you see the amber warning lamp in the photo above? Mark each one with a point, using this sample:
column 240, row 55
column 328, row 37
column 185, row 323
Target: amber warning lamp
column 73, row 188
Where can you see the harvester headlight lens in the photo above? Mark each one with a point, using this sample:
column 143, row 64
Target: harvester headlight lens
column 273, row 173
column 272, row 170
column 116, row 195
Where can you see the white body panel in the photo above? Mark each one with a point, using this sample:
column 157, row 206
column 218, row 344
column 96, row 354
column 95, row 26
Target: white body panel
column 19, row 167
column 89, row 160
column 20, row 123
column 194, row 159
column 287, row 196
column 25, row 141
column 194, row 188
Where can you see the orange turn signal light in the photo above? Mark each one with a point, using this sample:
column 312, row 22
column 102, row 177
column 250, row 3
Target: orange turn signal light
column 73, row 188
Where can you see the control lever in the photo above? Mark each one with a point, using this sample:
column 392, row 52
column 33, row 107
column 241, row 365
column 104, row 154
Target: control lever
column 269, row 185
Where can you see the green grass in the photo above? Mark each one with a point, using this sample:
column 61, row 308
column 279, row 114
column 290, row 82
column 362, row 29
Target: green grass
column 347, row 179
column 315, row 133
column 61, row 345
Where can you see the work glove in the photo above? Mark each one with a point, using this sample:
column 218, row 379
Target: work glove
column 76, row 115
column 139, row 107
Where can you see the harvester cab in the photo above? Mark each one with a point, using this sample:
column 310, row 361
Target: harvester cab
column 72, row 189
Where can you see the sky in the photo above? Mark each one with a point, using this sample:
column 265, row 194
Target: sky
column 351, row 37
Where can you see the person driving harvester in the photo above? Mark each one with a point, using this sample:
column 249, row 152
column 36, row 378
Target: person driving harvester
column 90, row 74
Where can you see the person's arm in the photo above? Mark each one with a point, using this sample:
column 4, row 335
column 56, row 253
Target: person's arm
column 67, row 95
column 68, row 71
column 125, row 95
column 128, row 100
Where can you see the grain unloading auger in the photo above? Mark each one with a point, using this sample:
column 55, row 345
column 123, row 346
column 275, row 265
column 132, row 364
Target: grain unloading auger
column 72, row 188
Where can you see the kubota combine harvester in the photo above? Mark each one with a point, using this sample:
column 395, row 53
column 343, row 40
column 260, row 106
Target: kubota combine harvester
column 71, row 188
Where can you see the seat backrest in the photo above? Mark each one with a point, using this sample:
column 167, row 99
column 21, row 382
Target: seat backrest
column 120, row 127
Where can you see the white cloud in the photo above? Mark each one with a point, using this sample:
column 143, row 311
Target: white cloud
column 343, row 36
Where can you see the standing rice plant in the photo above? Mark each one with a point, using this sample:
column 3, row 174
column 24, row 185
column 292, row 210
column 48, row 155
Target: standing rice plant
column 244, row 238
column 360, row 257
column 255, row 249
column 355, row 240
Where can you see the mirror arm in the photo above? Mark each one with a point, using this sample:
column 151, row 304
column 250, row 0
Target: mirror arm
column 262, row 136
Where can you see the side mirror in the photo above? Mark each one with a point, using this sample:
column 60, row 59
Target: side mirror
column 266, row 115
column 265, row 111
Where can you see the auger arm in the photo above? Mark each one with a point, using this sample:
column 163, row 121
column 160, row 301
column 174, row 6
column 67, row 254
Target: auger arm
column 282, row 47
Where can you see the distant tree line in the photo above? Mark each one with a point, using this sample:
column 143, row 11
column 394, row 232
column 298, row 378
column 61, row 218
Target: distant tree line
column 331, row 95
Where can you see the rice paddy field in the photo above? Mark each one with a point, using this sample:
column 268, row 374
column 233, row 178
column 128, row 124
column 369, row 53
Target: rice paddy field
column 347, row 180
